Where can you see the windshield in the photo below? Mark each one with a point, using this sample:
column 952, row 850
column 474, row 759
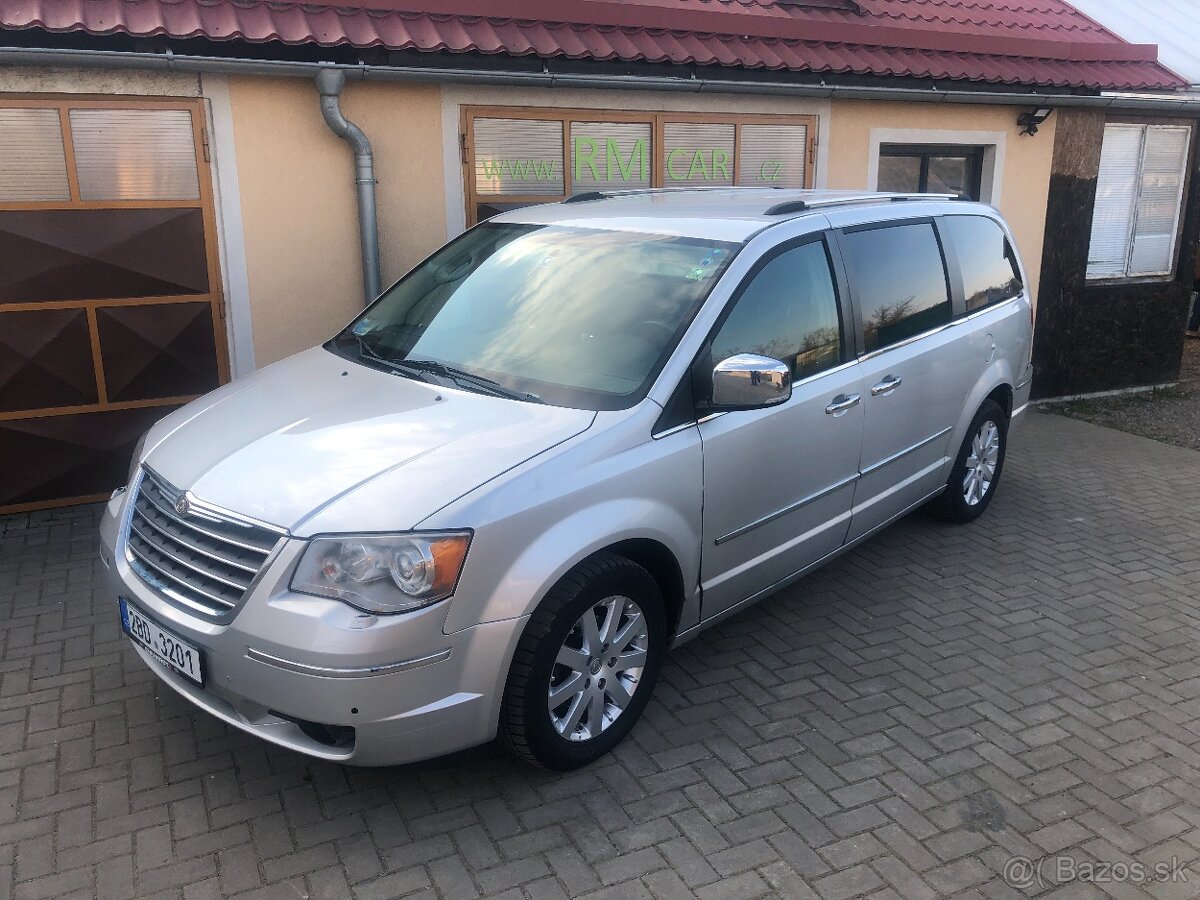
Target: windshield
column 569, row 316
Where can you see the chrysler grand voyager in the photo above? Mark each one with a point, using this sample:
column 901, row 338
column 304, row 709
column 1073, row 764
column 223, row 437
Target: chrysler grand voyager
column 574, row 436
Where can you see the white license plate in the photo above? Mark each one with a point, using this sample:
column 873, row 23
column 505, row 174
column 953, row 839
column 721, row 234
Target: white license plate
column 171, row 651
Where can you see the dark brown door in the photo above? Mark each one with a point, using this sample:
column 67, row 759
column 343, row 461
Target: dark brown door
column 110, row 301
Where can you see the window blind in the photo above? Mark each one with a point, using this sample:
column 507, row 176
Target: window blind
column 698, row 154
column 774, row 155
column 1112, row 218
column 518, row 157
column 1139, row 189
column 610, row 155
column 135, row 154
column 33, row 165
column 1160, row 190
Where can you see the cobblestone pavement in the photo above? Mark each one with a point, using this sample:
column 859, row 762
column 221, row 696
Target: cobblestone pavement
column 900, row 724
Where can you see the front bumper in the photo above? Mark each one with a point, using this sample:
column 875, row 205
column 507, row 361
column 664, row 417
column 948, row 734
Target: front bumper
column 297, row 670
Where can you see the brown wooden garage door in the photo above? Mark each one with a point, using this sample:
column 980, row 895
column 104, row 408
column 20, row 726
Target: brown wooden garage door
column 110, row 303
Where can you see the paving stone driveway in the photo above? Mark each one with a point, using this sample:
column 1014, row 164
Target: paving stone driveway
column 898, row 725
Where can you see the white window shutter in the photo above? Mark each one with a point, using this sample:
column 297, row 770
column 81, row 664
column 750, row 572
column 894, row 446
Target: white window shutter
column 1164, row 160
column 1116, row 194
column 773, row 155
column 518, row 157
column 135, row 154
column 610, row 156
column 33, row 164
column 697, row 154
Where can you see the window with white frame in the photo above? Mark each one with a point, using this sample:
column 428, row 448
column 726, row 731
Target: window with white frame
column 1139, row 192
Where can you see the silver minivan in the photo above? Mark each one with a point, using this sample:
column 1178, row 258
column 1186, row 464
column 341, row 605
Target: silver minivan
column 570, row 439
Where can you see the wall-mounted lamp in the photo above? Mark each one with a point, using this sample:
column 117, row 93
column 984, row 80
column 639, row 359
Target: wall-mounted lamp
column 1029, row 121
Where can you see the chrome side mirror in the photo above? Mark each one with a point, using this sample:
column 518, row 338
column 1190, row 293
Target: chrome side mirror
column 750, row 381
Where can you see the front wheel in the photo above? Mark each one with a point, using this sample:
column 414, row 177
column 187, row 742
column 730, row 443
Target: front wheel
column 586, row 664
column 977, row 467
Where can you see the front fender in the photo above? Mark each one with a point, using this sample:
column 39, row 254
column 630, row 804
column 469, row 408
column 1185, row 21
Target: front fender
column 550, row 555
column 534, row 528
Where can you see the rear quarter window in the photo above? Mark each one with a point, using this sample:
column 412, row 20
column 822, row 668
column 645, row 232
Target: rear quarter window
column 986, row 258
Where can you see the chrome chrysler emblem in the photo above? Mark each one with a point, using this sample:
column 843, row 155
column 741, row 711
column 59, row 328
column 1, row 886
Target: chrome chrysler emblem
column 182, row 506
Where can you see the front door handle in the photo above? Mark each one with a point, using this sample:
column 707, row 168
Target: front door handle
column 886, row 386
column 841, row 403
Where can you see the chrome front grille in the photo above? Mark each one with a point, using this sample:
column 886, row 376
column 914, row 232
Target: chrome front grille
column 202, row 558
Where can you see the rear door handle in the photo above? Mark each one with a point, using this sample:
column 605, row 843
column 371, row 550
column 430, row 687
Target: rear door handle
column 841, row 403
column 886, row 386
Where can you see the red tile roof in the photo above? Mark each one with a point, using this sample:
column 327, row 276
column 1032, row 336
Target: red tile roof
column 1028, row 42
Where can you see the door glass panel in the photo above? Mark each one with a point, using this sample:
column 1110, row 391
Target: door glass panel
column 789, row 312
column 697, row 154
column 610, row 155
column 900, row 173
column 135, row 154
column 898, row 277
column 33, row 165
column 72, row 254
column 46, row 360
column 988, row 264
column 949, row 175
column 518, row 156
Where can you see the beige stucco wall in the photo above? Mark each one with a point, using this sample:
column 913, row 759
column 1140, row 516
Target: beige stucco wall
column 299, row 213
column 1025, row 172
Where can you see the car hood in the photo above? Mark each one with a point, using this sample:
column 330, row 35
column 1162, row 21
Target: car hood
column 316, row 443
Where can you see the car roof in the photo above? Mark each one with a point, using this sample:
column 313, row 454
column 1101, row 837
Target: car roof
column 723, row 214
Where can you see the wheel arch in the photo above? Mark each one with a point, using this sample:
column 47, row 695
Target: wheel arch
column 1003, row 395
column 657, row 559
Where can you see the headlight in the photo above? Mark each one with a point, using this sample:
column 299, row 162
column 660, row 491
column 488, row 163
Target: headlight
column 383, row 573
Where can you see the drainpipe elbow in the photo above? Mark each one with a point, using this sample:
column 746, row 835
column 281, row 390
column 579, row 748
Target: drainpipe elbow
column 329, row 86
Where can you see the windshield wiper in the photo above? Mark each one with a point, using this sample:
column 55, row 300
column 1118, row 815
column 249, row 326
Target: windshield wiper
column 366, row 351
column 464, row 378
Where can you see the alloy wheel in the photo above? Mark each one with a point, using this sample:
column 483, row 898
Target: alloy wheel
column 598, row 668
column 981, row 463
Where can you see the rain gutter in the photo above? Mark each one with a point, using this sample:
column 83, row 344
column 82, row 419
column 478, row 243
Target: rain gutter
column 169, row 61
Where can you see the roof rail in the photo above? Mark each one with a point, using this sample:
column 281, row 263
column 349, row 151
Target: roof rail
column 584, row 196
column 796, row 206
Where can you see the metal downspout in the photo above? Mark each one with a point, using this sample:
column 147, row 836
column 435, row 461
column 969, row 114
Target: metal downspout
column 329, row 85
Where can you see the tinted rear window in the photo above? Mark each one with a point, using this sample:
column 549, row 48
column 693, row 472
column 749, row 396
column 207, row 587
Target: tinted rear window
column 989, row 266
column 897, row 275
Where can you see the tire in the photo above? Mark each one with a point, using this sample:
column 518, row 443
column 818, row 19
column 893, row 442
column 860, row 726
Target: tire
column 953, row 504
column 546, row 736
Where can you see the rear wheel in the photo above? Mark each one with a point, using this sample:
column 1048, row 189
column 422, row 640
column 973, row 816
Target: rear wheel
column 977, row 467
column 586, row 664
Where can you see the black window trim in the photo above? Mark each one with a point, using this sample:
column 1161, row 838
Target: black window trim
column 954, row 290
column 848, row 343
column 923, row 152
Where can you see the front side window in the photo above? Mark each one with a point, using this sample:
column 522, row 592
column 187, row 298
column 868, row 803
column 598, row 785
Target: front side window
column 789, row 312
column 989, row 266
column 899, row 279
column 569, row 316
column 1139, row 190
